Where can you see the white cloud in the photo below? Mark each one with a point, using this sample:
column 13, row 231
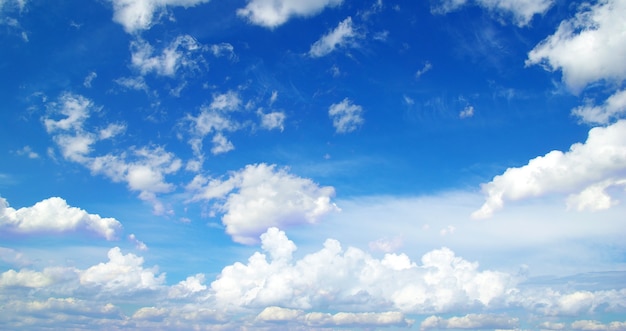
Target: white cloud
column 261, row 196
column 614, row 107
column 343, row 35
column 111, row 131
column 140, row 245
column 24, row 278
column 426, row 68
column 591, row 325
column 121, row 275
column 346, row 116
column 144, row 172
column 447, row 6
column 272, row 120
column 55, row 215
column 587, row 48
column 228, row 101
column 89, row 78
column 213, row 118
column 338, row 278
column 598, row 161
column 138, row 15
column 28, row 151
column 386, row 245
column 272, row 13
column 221, row 144
column 188, row 287
column 467, row 112
column 75, row 109
column 178, row 54
column 521, row 11
column 470, row 321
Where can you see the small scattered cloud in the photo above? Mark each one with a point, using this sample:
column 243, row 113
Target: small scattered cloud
column 28, row 151
column 342, row 36
column 346, row 116
column 89, row 79
column 467, row 112
column 178, row 54
column 426, row 68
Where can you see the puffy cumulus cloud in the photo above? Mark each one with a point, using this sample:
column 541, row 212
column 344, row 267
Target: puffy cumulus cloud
column 121, row 275
column 588, row 168
column 470, row 321
column 56, row 216
column 178, row 54
column 261, row 196
column 346, row 116
column 343, row 35
column 520, row 11
column 550, row 302
column 352, row 279
column 588, row 47
column 138, row 15
column 188, row 287
column 24, row 278
column 272, row 13
column 614, row 107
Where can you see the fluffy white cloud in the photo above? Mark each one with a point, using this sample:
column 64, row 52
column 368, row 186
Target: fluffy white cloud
column 121, row 275
column 336, row 278
column 343, row 35
column 470, row 321
column 261, row 196
column 24, row 278
column 272, row 13
column 346, row 116
column 587, row 48
column 55, row 215
column 614, row 107
column 138, row 15
column 521, row 11
column 178, row 54
column 587, row 168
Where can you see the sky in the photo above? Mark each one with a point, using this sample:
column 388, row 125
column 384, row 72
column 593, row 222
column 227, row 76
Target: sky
column 313, row 165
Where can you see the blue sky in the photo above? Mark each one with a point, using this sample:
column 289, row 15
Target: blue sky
column 313, row 165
